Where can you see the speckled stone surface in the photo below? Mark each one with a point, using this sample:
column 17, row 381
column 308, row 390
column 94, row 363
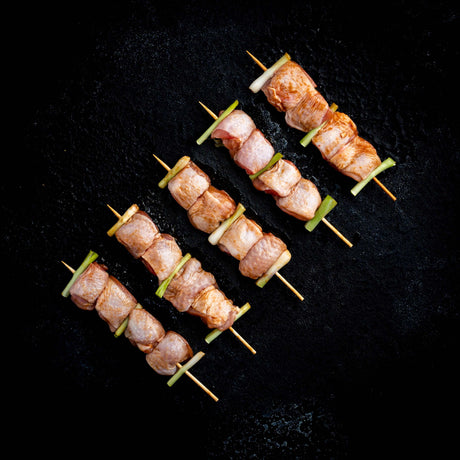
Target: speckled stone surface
column 365, row 366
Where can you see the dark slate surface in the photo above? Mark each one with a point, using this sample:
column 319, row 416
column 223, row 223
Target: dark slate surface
column 365, row 366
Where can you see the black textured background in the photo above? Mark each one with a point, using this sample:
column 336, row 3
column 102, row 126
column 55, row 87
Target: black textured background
column 365, row 366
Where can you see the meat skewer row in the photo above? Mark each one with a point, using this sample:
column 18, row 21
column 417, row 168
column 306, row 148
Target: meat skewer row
column 92, row 288
column 290, row 89
column 261, row 255
column 269, row 173
column 182, row 280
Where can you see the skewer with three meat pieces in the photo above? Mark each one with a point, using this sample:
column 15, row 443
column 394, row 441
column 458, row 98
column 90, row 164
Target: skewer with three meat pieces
column 290, row 89
column 181, row 278
column 261, row 255
column 269, row 172
column 92, row 288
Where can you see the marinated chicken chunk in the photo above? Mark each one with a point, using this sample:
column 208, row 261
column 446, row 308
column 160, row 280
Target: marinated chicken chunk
column 334, row 135
column 357, row 159
column 171, row 350
column 279, row 180
column 144, row 330
column 162, row 257
column 137, row 234
column 88, row 286
column 211, row 209
column 287, row 87
column 310, row 112
column 214, row 308
column 240, row 237
column 187, row 284
column 188, row 185
column 262, row 256
column 233, row 130
column 302, row 202
column 115, row 303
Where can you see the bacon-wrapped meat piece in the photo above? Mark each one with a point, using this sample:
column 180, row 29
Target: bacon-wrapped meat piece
column 293, row 194
column 234, row 130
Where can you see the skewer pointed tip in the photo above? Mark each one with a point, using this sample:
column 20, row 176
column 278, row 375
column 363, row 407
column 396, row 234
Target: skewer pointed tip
column 290, row 286
column 162, row 163
column 257, row 61
column 68, row 266
column 113, row 210
column 213, row 115
column 242, row 340
column 385, row 189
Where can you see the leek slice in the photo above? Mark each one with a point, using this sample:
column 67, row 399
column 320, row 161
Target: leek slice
column 216, row 332
column 217, row 234
column 182, row 370
column 121, row 328
column 326, row 207
column 283, row 259
column 225, row 114
column 89, row 259
column 275, row 159
column 311, row 134
column 388, row 163
column 257, row 84
column 164, row 285
column 123, row 219
column 176, row 169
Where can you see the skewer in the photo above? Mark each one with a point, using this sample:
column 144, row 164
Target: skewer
column 188, row 373
column 231, row 329
column 345, row 240
column 264, row 68
column 289, row 285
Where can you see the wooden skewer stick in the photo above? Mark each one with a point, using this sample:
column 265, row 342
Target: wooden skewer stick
column 289, row 285
column 189, row 374
column 243, row 341
column 345, row 240
column 375, row 179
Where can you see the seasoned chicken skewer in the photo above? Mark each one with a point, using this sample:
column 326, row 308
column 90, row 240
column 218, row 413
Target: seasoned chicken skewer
column 290, row 89
column 213, row 211
column 92, row 288
column 182, row 280
column 251, row 151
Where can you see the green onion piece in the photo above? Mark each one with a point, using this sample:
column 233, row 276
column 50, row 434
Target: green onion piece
column 216, row 332
column 89, row 259
column 388, row 163
column 225, row 114
column 176, row 169
column 216, row 235
column 275, row 159
column 121, row 328
column 310, row 135
column 259, row 82
column 164, row 285
column 283, row 259
column 326, row 207
column 182, row 370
